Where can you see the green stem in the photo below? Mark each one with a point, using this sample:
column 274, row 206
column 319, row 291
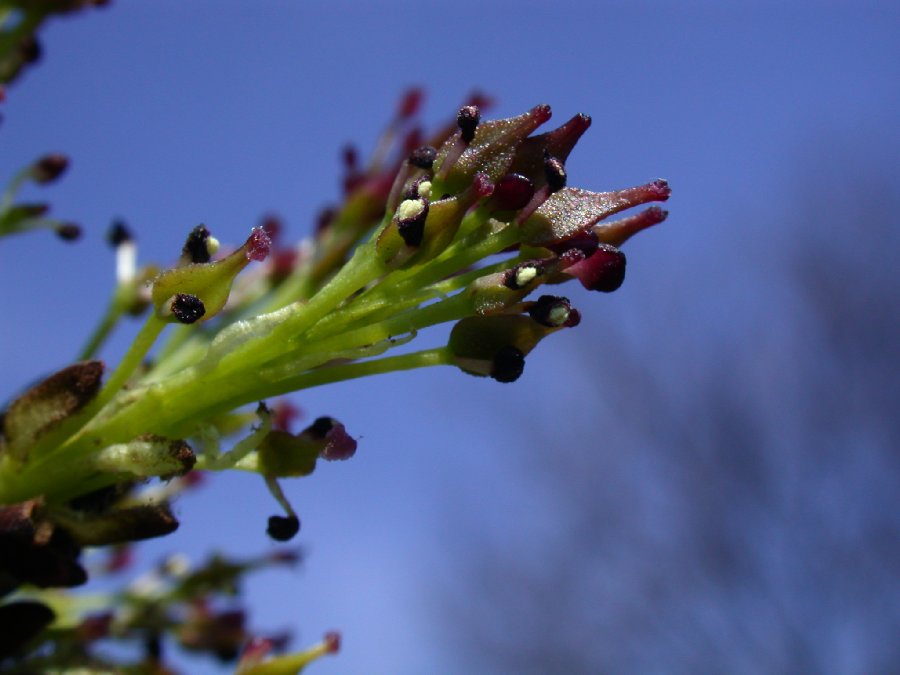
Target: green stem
column 101, row 333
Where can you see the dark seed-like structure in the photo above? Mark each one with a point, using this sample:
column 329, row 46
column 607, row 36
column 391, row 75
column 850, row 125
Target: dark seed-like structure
column 187, row 308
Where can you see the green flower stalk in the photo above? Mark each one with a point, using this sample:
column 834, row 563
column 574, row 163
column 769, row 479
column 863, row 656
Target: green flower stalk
column 462, row 230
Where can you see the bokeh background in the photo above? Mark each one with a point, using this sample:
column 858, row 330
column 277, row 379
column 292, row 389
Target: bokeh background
column 703, row 477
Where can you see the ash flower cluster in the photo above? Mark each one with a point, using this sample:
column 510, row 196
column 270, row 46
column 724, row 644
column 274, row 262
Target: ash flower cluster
column 465, row 227
column 459, row 228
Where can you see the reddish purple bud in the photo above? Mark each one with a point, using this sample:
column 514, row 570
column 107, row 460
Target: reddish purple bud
column 513, row 192
column 467, row 120
column 410, row 103
column 49, row 168
column 69, row 231
column 339, row 445
column 604, row 271
column 283, row 528
column 258, row 245
column 187, row 308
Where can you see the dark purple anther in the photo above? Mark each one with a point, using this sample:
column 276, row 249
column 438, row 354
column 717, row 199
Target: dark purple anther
column 523, row 274
column 509, row 362
column 118, row 234
column 68, row 231
column 423, row 157
column 187, row 308
column 467, row 120
column 195, row 246
column 553, row 311
column 411, row 220
column 555, row 172
column 513, row 192
column 50, row 167
column 283, row 528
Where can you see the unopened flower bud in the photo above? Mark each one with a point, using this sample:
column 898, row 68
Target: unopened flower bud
column 513, row 191
column 603, row 271
column 338, row 444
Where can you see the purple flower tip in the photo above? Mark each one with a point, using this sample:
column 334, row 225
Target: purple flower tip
column 660, row 189
column 541, row 113
column 332, row 641
column 410, row 103
column 258, row 244
column 339, row 445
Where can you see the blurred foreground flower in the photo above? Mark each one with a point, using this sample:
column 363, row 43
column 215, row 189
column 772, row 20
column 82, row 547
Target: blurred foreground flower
column 460, row 228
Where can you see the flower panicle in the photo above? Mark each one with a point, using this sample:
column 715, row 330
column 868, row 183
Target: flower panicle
column 468, row 227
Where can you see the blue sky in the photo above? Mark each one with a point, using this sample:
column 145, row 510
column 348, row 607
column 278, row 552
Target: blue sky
column 178, row 113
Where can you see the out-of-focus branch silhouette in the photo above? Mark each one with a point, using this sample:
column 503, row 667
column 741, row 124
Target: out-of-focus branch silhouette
column 738, row 515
